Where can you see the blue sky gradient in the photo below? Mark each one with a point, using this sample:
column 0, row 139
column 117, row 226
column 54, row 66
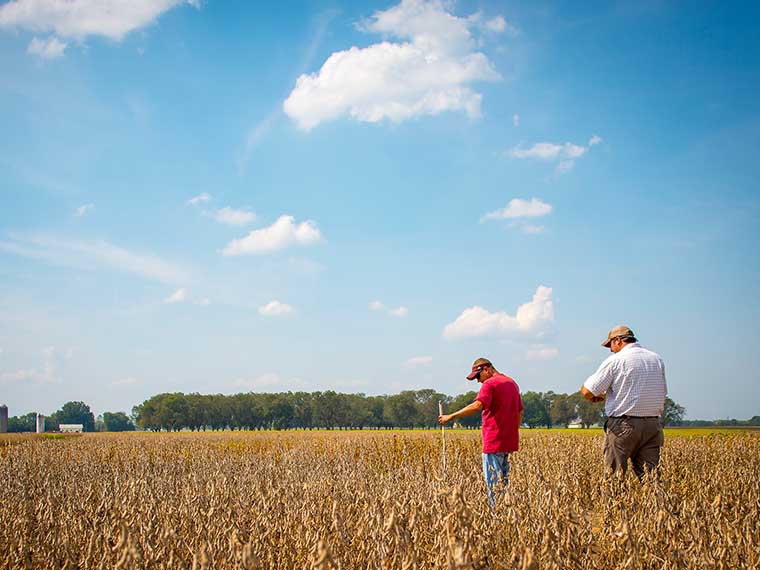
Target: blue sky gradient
column 601, row 157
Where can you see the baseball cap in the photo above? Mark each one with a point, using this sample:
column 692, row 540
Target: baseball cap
column 477, row 367
column 618, row 331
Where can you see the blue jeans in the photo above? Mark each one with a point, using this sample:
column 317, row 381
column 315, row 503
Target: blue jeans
column 495, row 465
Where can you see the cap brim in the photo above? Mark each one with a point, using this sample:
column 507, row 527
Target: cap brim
column 472, row 375
column 607, row 343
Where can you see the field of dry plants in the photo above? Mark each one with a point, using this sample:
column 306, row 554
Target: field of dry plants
column 356, row 500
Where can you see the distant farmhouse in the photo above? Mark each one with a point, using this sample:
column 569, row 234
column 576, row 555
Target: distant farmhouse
column 71, row 428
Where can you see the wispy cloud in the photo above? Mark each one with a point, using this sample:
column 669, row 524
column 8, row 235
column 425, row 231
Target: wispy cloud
column 84, row 209
column 50, row 48
column 199, row 199
column 516, row 120
column 179, row 296
column 419, row 361
column 518, row 208
column 233, row 217
column 400, row 312
column 91, row 255
column 45, row 374
column 531, row 318
column 127, row 381
column 283, row 233
column 541, row 352
column 428, row 71
column 275, row 309
column 80, row 19
column 564, row 154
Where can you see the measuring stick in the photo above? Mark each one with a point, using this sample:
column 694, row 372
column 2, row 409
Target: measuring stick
column 443, row 439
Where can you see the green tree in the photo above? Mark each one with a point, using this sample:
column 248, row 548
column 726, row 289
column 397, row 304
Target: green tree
column 460, row 402
column 590, row 413
column 75, row 413
column 562, row 410
column 536, row 411
column 117, row 421
column 19, row 424
column 672, row 414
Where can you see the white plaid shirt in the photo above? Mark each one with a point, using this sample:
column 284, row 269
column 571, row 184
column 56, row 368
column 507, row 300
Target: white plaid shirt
column 633, row 380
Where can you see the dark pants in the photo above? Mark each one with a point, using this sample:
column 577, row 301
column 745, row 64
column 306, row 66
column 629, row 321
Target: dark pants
column 637, row 439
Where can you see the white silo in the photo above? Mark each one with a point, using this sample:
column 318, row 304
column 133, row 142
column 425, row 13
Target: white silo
column 3, row 418
column 40, row 423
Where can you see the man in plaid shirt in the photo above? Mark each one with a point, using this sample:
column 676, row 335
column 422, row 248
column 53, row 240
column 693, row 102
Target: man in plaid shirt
column 632, row 383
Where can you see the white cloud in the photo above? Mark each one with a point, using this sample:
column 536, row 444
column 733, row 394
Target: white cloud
column 79, row 19
column 199, row 199
column 179, row 296
column 419, row 361
column 400, row 312
column 275, row 309
column 565, row 154
column 82, row 210
column 531, row 229
column 233, row 217
column 427, row 74
column 516, row 120
column 541, row 352
column 91, row 255
column 205, row 302
column 518, row 208
column 531, row 318
column 51, row 48
column 283, row 233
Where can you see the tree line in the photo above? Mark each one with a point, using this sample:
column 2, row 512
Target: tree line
column 323, row 410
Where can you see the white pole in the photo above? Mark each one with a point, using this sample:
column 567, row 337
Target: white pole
column 443, row 439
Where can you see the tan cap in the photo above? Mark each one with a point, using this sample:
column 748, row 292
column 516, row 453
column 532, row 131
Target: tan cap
column 618, row 331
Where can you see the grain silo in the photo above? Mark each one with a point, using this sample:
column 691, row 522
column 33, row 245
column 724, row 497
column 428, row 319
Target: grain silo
column 3, row 418
column 40, row 423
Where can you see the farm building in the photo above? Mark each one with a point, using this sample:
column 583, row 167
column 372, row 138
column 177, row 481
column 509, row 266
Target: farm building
column 70, row 428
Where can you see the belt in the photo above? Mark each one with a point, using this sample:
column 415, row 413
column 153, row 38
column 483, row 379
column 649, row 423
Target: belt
column 626, row 417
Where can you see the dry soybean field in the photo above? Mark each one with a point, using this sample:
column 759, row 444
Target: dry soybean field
column 355, row 500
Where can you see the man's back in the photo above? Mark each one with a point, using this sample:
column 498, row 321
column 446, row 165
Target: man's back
column 502, row 405
column 634, row 379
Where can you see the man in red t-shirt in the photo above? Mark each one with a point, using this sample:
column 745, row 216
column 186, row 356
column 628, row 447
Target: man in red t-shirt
column 499, row 400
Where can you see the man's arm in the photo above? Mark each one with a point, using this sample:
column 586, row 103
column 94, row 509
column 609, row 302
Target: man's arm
column 589, row 395
column 468, row 410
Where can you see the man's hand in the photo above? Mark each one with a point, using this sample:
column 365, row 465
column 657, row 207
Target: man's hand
column 445, row 418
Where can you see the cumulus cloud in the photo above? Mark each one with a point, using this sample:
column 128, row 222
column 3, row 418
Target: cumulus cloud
column 78, row 19
column 179, row 296
column 283, row 233
column 233, row 217
column 82, row 210
column 418, row 361
column 50, row 48
column 275, row 309
column 428, row 71
column 541, row 352
column 91, row 255
column 564, row 155
column 199, row 199
column 531, row 318
column 400, row 312
column 518, row 208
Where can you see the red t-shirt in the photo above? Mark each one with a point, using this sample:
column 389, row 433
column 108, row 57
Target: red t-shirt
column 502, row 405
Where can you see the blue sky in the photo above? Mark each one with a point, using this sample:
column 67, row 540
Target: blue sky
column 221, row 197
